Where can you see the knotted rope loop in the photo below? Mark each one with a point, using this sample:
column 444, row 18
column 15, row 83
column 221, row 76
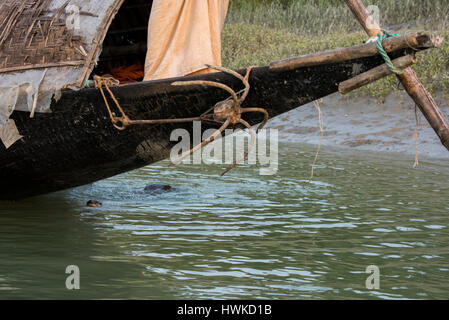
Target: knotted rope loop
column 384, row 54
column 108, row 81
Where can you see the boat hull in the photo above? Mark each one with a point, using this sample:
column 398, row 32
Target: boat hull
column 76, row 143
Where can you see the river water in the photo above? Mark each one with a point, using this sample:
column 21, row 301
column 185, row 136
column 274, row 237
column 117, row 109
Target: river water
column 241, row 236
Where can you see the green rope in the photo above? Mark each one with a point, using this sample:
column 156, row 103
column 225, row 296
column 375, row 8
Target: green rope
column 384, row 54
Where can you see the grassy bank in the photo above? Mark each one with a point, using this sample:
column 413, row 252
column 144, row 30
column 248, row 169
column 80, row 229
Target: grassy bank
column 260, row 31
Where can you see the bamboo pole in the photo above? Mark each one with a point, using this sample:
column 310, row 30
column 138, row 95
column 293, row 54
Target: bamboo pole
column 415, row 40
column 375, row 74
column 78, row 63
column 409, row 79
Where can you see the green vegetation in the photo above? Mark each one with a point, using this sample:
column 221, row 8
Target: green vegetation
column 261, row 31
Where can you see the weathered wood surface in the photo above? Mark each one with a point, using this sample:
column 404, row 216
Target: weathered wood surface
column 409, row 79
column 375, row 74
column 415, row 40
column 77, row 144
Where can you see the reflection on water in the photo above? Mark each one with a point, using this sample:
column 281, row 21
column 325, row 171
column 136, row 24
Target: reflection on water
column 241, row 236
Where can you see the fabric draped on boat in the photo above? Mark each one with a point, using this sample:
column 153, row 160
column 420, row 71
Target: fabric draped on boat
column 184, row 35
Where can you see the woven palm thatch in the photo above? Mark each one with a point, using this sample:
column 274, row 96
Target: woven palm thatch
column 30, row 37
column 41, row 53
column 34, row 34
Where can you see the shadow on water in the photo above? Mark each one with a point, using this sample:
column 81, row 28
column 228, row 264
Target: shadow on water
column 240, row 236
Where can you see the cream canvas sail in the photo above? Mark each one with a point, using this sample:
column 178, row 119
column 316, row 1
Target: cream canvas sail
column 183, row 36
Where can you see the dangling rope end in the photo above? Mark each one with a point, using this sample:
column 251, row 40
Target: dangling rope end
column 321, row 124
column 416, row 164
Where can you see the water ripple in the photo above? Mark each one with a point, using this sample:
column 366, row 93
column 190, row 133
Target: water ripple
column 241, row 236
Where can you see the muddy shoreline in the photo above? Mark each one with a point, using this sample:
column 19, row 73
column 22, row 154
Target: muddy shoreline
column 362, row 124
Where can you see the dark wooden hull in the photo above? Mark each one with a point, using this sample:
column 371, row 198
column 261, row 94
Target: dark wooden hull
column 77, row 145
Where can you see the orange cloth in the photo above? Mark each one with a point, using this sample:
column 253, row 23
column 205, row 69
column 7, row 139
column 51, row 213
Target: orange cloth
column 128, row 74
column 184, row 35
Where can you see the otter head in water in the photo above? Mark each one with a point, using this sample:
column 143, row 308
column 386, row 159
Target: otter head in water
column 94, row 204
column 157, row 188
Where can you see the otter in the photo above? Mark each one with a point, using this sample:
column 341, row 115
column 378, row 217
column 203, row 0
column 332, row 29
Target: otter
column 157, row 188
column 94, row 204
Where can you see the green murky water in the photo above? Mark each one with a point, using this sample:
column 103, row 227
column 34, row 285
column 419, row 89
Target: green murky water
column 241, row 236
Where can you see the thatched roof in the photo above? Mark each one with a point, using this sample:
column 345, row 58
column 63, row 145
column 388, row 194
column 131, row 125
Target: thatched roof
column 37, row 33
column 44, row 49
column 30, row 38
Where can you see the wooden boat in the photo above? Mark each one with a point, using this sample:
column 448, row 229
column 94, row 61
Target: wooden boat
column 76, row 144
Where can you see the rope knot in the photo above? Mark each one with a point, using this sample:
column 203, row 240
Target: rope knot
column 381, row 37
column 120, row 123
column 106, row 81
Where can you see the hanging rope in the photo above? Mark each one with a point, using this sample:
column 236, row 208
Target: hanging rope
column 384, row 54
column 316, row 103
column 416, row 164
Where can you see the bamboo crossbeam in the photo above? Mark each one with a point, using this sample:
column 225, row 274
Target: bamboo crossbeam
column 375, row 74
column 414, row 40
column 409, row 79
